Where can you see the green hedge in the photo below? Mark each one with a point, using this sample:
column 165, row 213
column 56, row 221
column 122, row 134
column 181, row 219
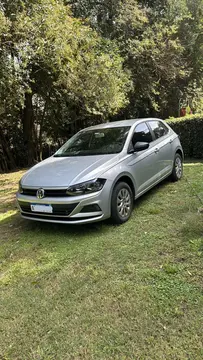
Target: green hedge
column 190, row 130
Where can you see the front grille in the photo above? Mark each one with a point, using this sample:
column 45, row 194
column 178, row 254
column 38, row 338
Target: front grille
column 58, row 209
column 47, row 192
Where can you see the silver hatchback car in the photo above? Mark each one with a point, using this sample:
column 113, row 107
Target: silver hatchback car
column 100, row 171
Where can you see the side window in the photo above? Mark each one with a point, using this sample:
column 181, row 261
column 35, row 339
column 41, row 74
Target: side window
column 141, row 134
column 158, row 128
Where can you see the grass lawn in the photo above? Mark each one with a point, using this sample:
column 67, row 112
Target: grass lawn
column 133, row 292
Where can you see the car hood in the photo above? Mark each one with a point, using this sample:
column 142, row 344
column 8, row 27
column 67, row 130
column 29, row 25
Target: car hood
column 64, row 171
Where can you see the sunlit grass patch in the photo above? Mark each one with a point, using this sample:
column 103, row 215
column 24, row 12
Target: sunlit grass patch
column 8, row 189
column 30, row 267
column 6, row 215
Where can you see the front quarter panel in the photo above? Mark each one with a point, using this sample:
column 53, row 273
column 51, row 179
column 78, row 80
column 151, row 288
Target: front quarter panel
column 118, row 171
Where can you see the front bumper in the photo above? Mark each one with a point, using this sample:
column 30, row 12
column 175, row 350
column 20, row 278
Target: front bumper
column 68, row 210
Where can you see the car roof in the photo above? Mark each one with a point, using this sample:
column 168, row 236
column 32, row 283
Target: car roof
column 120, row 123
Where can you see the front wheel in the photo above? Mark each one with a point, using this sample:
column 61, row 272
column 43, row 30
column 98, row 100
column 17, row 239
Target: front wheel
column 177, row 172
column 121, row 203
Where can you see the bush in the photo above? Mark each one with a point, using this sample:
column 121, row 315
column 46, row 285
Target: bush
column 190, row 130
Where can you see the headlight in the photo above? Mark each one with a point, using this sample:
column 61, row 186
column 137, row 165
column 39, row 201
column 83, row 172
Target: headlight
column 86, row 187
column 20, row 189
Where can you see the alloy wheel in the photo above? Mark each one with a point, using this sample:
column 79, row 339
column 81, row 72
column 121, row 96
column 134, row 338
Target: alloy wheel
column 178, row 167
column 124, row 203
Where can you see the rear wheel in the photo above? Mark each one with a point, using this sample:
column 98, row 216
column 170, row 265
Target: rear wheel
column 121, row 203
column 177, row 168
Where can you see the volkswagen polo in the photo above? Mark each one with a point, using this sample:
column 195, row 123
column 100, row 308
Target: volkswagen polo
column 100, row 171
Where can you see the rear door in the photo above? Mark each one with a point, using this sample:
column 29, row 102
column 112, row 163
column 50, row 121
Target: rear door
column 163, row 147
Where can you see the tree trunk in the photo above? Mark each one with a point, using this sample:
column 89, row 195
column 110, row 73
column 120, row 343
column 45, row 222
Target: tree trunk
column 41, row 130
column 28, row 122
column 6, row 162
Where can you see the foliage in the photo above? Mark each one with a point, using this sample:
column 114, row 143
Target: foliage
column 59, row 70
column 73, row 59
column 190, row 130
column 67, row 64
column 162, row 43
column 155, row 64
column 168, row 65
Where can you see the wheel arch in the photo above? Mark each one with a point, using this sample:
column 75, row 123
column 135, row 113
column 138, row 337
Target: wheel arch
column 118, row 185
column 180, row 152
column 128, row 180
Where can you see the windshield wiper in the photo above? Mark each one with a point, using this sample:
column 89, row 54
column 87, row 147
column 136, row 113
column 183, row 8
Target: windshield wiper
column 61, row 155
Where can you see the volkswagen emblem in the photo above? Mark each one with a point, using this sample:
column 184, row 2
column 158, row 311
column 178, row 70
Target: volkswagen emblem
column 40, row 193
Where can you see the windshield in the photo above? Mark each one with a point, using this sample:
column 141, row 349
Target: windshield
column 95, row 142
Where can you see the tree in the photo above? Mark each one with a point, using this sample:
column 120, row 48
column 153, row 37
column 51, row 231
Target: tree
column 67, row 64
column 161, row 42
column 58, row 59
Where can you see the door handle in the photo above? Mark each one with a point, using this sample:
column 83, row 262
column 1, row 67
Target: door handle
column 171, row 140
column 156, row 151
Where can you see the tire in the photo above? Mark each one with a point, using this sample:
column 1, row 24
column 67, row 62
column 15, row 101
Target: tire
column 177, row 172
column 121, row 203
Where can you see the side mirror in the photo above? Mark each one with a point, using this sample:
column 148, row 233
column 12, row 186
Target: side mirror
column 140, row 146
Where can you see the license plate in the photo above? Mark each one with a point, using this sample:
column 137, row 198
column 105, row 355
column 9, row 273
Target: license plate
column 41, row 208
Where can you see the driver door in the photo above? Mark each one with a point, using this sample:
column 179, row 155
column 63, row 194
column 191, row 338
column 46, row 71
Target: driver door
column 144, row 163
